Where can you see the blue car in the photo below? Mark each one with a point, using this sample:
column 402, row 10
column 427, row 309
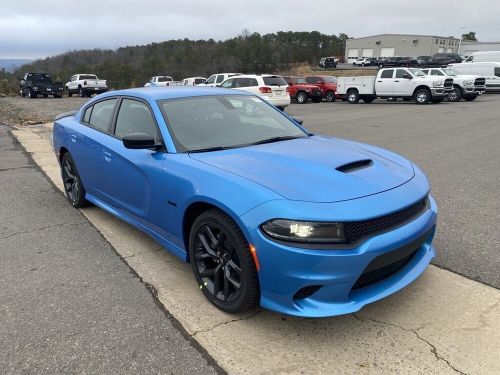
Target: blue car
column 266, row 212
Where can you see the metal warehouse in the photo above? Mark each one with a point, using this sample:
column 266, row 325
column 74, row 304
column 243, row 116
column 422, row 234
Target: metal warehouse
column 469, row 47
column 389, row 45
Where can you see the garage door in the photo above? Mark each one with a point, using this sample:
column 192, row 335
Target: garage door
column 353, row 53
column 387, row 52
column 367, row 52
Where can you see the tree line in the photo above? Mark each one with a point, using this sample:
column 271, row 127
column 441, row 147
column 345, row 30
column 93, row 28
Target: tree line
column 132, row 66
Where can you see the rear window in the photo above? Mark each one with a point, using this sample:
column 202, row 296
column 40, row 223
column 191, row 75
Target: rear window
column 88, row 76
column 274, row 81
column 497, row 71
column 164, row 79
column 197, row 81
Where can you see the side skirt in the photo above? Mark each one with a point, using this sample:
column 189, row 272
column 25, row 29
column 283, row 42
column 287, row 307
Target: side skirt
column 172, row 248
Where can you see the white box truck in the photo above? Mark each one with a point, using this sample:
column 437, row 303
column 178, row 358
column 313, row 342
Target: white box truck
column 406, row 83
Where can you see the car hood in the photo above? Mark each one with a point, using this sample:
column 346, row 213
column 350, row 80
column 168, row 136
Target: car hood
column 315, row 169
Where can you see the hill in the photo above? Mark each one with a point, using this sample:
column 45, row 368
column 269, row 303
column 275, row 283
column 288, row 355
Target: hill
column 9, row 65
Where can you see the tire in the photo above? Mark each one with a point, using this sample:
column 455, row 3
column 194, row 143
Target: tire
column 23, row 94
column 422, row 96
column 470, row 98
column 73, row 187
column 31, row 94
column 81, row 92
column 352, row 96
column 222, row 263
column 330, row 96
column 70, row 94
column 368, row 99
column 455, row 95
column 302, row 97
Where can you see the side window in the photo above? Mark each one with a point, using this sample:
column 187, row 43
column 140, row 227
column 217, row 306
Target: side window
column 211, row 79
column 135, row 117
column 252, row 82
column 220, row 78
column 400, row 73
column 387, row 73
column 227, row 84
column 86, row 115
column 426, row 71
column 101, row 114
column 497, row 71
column 435, row 72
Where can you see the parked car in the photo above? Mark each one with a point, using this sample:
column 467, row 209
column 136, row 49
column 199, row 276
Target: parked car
column 34, row 84
column 489, row 70
column 328, row 62
column 397, row 61
column 468, row 87
column 157, row 81
column 406, row 83
column 265, row 212
column 363, row 61
column 300, row 91
column 444, row 59
column 85, row 85
column 271, row 88
column 193, row 81
column 327, row 84
column 217, row 79
column 485, row 56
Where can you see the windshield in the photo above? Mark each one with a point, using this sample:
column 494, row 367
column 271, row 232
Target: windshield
column 88, row 76
column 451, row 72
column 299, row 80
column 417, row 72
column 224, row 121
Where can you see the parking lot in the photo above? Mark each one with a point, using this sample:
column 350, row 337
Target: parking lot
column 444, row 323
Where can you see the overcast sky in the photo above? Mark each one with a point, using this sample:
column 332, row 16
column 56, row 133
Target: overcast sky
column 39, row 28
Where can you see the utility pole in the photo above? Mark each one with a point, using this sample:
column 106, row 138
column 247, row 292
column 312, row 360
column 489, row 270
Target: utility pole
column 462, row 28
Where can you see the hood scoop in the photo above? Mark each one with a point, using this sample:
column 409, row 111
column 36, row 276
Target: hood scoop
column 355, row 166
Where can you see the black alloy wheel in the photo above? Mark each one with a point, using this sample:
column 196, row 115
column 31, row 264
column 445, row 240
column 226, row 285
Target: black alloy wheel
column 72, row 182
column 222, row 263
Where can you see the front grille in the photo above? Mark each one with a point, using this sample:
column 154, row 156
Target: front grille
column 448, row 82
column 480, row 82
column 379, row 274
column 354, row 230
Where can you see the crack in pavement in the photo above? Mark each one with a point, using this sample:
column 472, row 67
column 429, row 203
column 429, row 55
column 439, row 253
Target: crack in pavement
column 432, row 346
column 16, row 168
column 40, row 229
column 226, row 322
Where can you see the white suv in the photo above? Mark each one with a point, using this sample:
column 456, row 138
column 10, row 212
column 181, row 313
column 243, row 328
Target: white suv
column 271, row 88
column 217, row 79
column 193, row 81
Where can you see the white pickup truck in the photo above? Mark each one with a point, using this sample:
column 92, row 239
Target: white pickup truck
column 85, row 85
column 406, row 83
column 465, row 86
column 159, row 81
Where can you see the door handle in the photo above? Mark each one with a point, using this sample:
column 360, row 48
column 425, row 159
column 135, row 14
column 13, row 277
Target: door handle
column 379, row 81
column 73, row 138
column 107, row 156
column 396, row 81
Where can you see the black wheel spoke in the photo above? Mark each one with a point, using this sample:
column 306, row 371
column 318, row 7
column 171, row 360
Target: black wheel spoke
column 230, row 278
column 204, row 256
column 234, row 266
column 217, row 276
column 221, row 239
column 213, row 240
column 206, row 246
column 207, row 272
column 226, row 285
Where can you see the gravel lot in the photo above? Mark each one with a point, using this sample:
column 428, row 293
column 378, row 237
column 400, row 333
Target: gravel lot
column 455, row 143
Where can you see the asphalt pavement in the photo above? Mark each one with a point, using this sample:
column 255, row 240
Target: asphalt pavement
column 69, row 304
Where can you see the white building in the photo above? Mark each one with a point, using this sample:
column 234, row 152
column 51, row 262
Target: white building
column 468, row 47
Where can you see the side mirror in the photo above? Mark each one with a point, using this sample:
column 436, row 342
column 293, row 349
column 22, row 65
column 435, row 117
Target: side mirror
column 407, row 76
column 139, row 141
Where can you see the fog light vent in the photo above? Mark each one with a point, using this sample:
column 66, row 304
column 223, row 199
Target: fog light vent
column 306, row 292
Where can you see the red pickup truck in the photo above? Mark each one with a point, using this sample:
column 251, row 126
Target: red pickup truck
column 327, row 84
column 301, row 91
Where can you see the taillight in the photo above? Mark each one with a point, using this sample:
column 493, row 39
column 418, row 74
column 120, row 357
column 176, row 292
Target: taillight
column 265, row 90
column 287, row 89
column 85, row 83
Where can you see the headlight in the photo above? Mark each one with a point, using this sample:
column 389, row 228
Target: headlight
column 438, row 83
column 304, row 231
column 468, row 83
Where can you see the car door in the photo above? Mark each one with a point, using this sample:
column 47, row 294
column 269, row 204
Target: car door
column 402, row 86
column 385, row 82
column 86, row 140
column 134, row 177
column 220, row 78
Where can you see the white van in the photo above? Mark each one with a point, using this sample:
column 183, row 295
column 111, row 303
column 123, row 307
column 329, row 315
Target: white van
column 489, row 70
column 486, row 56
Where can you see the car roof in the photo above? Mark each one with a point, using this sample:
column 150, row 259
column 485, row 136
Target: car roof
column 172, row 92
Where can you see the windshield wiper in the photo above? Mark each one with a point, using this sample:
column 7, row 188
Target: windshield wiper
column 275, row 139
column 208, row 149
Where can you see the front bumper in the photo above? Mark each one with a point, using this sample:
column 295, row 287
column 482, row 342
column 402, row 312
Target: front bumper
column 440, row 92
column 474, row 89
column 285, row 270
